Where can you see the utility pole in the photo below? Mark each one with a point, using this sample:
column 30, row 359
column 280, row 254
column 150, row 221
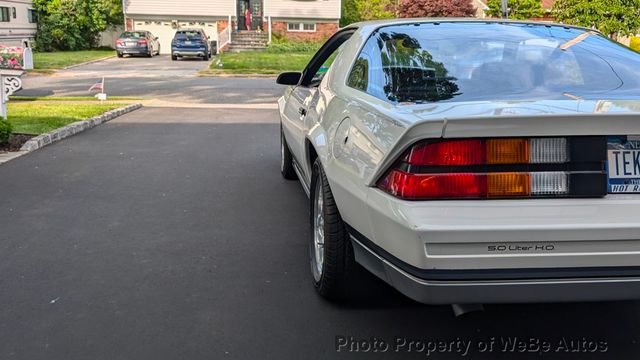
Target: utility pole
column 505, row 9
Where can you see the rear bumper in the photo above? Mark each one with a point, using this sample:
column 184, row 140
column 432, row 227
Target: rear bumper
column 438, row 290
column 500, row 251
column 189, row 52
column 133, row 50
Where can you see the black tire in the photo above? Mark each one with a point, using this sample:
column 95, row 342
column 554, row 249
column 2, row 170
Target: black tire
column 150, row 54
column 286, row 159
column 340, row 277
column 173, row 57
column 120, row 55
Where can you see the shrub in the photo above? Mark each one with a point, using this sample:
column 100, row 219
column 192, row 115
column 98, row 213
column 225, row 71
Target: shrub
column 5, row 131
column 635, row 43
column 280, row 44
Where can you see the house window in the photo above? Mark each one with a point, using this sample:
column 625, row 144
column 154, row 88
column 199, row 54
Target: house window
column 32, row 16
column 307, row 27
column 4, row 14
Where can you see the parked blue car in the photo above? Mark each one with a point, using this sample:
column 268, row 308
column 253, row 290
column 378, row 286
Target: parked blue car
column 190, row 42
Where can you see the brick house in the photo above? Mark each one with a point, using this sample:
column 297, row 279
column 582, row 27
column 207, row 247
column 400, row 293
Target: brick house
column 294, row 19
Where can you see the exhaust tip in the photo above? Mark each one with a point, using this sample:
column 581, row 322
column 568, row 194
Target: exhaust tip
column 461, row 309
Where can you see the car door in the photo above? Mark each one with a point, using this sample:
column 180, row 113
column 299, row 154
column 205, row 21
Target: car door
column 300, row 111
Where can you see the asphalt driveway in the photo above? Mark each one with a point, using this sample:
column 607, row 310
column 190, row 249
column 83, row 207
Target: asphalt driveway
column 169, row 234
column 154, row 78
column 161, row 65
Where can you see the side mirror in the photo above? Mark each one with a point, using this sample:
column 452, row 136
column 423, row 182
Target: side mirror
column 291, row 78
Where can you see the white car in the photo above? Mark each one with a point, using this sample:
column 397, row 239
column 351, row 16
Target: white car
column 468, row 162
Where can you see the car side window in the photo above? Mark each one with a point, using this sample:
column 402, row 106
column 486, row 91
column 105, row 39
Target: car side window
column 359, row 75
column 322, row 61
column 322, row 71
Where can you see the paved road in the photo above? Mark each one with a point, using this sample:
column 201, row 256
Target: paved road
column 152, row 237
column 158, row 78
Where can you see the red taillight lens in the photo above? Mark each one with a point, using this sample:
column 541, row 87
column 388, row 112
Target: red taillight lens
column 142, row 42
column 480, row 168
column 119, row 42
column 456, row 152
column 431, row 186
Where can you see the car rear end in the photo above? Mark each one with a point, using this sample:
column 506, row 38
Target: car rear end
column 189, row 43
column 529, row 199
column 133, row 43
column 509, row 219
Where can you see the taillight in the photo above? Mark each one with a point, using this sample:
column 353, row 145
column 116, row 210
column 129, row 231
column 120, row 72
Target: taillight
column 499, row 168
column 119, row 42
column 142, row 42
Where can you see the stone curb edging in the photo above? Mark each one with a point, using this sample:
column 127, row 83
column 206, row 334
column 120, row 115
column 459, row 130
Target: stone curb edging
column 43, row 140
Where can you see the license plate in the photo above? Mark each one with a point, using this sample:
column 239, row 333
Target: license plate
column 623, row 165
column 188, row 43
column 131, row 44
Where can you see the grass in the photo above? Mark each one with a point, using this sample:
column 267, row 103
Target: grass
column 38, row 118
column 47, row 61
column 260, row 62
column 69, row 98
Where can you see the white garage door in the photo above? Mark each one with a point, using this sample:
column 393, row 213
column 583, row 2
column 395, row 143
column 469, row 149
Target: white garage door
column 165, row 31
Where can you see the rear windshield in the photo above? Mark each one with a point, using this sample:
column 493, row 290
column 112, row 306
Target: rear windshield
column 188, row 35
column 133, row 34
column 431, row 62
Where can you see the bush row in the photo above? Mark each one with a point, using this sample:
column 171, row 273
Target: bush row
column 281, row 44
column 5, row 131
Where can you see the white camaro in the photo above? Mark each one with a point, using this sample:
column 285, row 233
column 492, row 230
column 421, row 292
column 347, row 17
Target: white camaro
column 468, row 161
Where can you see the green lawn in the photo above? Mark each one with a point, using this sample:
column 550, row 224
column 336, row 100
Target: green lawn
column 260, row 62
column 69, row 98
column 37, row 118
column 60, row 59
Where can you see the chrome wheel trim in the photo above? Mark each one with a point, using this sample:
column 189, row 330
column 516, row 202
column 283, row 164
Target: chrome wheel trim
column 317, row 263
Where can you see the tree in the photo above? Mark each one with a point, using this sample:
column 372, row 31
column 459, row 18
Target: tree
column 612, row 17
column 74, row 24
column 436, row 8
column 518, row 9
column 349, row 13
column 363, row 10
column 375, row 9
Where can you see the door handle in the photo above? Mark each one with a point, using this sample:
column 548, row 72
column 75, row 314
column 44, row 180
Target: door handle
column 302, row 111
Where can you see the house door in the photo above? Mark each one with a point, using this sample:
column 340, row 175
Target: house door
column 255, row 10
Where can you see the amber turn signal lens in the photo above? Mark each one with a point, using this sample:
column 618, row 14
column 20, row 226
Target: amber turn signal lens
column 507, row 151
column 508, row 184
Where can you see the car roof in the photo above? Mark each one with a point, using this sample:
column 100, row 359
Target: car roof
column 374, row 24
column 189, row 29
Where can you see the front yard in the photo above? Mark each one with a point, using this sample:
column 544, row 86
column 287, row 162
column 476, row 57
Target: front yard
column 49, row 61
column 259, row 62
column 36, row 118
column 280, row 55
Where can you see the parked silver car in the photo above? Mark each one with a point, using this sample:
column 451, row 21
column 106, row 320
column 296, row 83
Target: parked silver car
column 137, row 43
column 468, row 161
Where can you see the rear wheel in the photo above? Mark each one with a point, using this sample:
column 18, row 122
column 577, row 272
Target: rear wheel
column 150, row 54
column 120, row 55
column 173, row 57
column 286, row 160
column 336, row 275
